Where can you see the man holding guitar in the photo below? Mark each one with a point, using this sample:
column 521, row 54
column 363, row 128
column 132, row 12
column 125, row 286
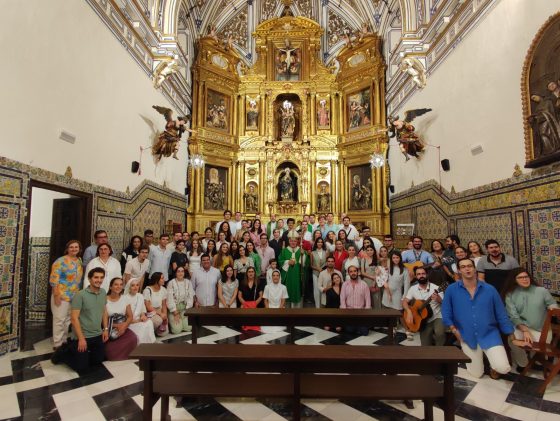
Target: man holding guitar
column 422, row 310
column 416, row 257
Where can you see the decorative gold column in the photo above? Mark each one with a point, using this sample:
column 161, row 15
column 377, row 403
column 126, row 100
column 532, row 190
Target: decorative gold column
column 313, row 187
column 378, row 104
column 313, row 119
column 262, row 186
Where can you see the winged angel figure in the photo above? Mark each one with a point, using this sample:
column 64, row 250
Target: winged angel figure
column 415, row 69
column 163, row 70
column 167, row 143
column 403, row 131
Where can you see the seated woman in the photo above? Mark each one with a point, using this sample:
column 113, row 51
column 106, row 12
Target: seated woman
column 333, row 295
column 180, row 296
column 227, row 289
column 274, row 295
column 250, row 293
column 121, row 339
column 155, row 298
column 243, row 263
column 141, row 325
column 526, row 305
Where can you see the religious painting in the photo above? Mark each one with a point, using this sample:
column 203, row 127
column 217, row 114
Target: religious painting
column 541, row 74
column 217, row 110
column 323, row 113
column 215, row 188
column 360, row 187
column 323, row 197
column 252, row 113
column 359, row 109
column 288, row 62
column 251, row 198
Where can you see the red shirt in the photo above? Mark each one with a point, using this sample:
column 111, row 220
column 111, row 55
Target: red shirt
column 339, row 258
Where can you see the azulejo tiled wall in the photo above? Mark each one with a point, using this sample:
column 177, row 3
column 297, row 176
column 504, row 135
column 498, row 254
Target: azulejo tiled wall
column 117, row 212
column 522, row 213
column 38, row 275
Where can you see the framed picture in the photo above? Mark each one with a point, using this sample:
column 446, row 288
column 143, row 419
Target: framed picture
column 541, row 96
column 215, row 188
column 217, row 110
column 358, row 109
column 287, row 62
column 252, row 121
column 360, row 187
column 323, row 107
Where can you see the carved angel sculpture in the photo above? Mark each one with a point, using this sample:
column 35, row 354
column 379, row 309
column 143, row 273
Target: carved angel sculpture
column 163, row 70
column 167, row 143
column 414, row 68
column 409, row 142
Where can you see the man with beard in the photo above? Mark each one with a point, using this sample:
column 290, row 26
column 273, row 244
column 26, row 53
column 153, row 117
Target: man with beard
column 423, row 290
column 416, row 256
column 355, row 294
column 496, row 266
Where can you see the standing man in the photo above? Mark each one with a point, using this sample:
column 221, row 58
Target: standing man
column 99, row 237
column 148, row 237
column 312, row 224
column 265, row 252
column 289, row 233
column 276, row 243
column 416, row 256
column 324, row 282
column 355, row 294
column 160, row 256
column 330, row 225
column 86, row 348
column 235, row 224
column 271, row 225
column 424, row 290
column 137, row 267
column 173, row 244
column 389, row 243
column 291, row 260
column 475, row 314
column 495, row 267
column 205, row 283
column 351, row 231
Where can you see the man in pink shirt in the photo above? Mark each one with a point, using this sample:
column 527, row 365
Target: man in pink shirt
column 355, row 294
column 266, row 252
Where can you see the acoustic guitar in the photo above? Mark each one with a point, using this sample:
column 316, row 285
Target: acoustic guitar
column 421, row 311
column 411, row 266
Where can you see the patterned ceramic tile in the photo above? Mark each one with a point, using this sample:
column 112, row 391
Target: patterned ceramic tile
column 115, row 230
column 430, row 222
column 483, row 227
column 544, row 229
column 38, row 278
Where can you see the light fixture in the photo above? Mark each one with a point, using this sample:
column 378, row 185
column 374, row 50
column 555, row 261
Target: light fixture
column 196, row 161
column 377, row 160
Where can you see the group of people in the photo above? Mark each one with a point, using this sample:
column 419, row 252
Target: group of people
column 477, row 297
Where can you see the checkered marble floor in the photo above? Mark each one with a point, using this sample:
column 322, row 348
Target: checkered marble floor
column 32, row 388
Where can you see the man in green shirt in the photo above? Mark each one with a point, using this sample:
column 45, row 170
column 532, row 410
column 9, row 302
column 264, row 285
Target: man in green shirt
column 87, row 345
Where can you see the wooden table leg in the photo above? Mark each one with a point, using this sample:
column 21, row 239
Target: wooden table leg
column 296, row 398
column 148, row 395
column 448, row 395
column 391, row 331
column 292, row 332
column 164, row 408
column 194, row 331
column 428, row 410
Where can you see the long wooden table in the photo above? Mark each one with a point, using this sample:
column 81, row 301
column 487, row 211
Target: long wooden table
column 298, row 372
column 291, row 317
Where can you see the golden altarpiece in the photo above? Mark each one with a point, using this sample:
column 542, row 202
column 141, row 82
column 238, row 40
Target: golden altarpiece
column 289, row 136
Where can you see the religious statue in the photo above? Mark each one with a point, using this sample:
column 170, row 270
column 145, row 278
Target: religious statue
column 545, row 125
column 287, row 62
column 415, row 69
column 214, row 192
column 253, row 115
column 363, row 31
column 163, row 70
column 167, row 143
column 323, row 120
column 287, row 186
column 323, row 199
column 288, row 120
column 251, row 199
column 409, row 142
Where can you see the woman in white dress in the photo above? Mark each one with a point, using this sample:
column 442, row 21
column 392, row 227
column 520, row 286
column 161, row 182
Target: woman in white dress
column 141, row 325
column 106, row 261
column 194, row 256
column 351, row 260
column 228, row 288
column 397, row 284
column 122, row 340
column 275, row 295
column 318, row 262
column 180, row 296
column 155, row 298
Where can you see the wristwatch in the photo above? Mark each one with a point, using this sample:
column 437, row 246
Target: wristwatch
column 105, row 328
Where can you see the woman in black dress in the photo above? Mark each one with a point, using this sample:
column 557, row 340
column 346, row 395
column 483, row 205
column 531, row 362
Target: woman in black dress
column 333, row 295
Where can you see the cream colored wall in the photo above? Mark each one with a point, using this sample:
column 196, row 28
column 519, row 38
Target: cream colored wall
column 40, row 223
column 64, row 70
column 476, row 99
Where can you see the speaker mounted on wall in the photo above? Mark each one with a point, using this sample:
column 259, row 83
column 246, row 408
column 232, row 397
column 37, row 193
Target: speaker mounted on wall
column 445, row 165
column 135, row 167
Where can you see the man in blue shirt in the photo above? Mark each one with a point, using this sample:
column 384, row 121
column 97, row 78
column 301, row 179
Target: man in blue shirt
column 474, row 312
column 417, row 254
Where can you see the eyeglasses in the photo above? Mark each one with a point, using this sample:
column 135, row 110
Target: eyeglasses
column 465, row 266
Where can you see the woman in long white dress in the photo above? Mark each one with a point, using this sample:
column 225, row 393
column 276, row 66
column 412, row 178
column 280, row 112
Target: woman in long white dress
column 141, row 325
column 275, row 295
column 180, row 296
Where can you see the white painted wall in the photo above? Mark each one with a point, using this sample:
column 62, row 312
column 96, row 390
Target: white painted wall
column 64, row 70
column 41, row 211
column 476, row 99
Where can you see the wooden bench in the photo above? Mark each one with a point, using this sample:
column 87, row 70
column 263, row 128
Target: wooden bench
column 291, row 317
column 296, row 372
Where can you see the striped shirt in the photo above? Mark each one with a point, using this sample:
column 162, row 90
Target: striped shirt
column 355, row 294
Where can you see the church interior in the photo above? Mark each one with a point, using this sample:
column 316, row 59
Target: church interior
column 160, row 116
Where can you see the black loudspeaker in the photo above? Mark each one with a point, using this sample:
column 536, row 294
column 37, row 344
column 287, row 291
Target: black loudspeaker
column 135, row 166
column 392, row 188
column 445, row 164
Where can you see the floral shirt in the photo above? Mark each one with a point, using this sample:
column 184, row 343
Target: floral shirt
column 66, row 275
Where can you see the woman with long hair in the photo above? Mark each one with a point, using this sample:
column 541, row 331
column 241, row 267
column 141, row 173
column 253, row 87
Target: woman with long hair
column 460, row 253
column 208, row 235
column 122, row 339
column 397, row 284
column 211, row 249
column 155, row 298
column 252, row 253
column 363, row 251
column 65, row 278
column 228, row 288
column 141, row 324
column 234, row 249
column 318, row 261
column 330, row 242
column 475, row 252
column 180, row 296
column 526, row 305
column 245, row 238
column 223, row 258
column 225, row 228
column 250, row 293
column 441, row 269
column 370, row 275
column 104, row 259
column 243, row 263
column 351, row 260
column 340, row 254
column 194, row 256
column 342, row 236
column 333, row 295
column 131, row 251
column 256, row 231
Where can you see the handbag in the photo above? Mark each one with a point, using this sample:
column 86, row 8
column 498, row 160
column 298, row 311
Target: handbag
column 114, row 320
